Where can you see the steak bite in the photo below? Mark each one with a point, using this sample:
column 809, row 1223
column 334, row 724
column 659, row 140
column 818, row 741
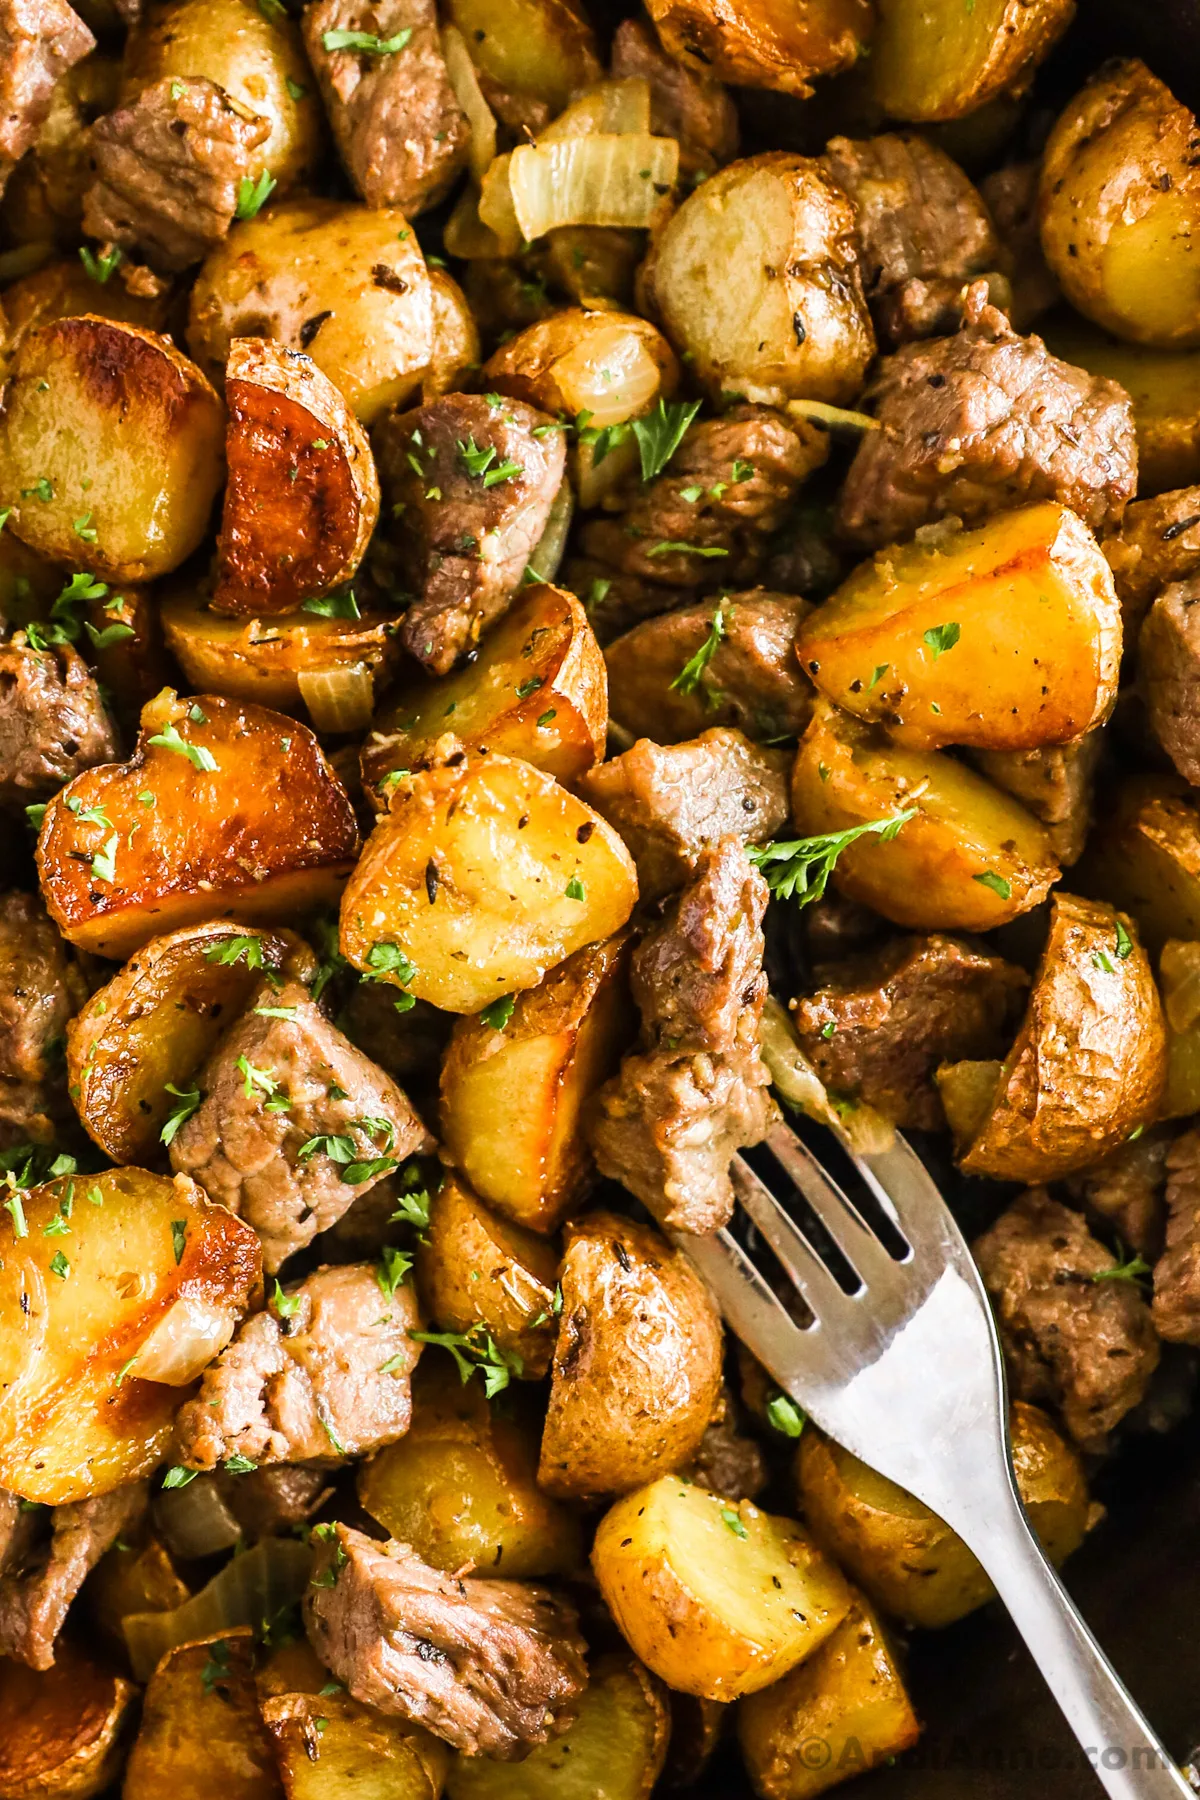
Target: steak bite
column 53, row 721
column 39, row 41
column 40, row 1573
column 1176, row 1307
column 689, row 105
column 1169, row 673
column 1127, row 1190
column 41, row 988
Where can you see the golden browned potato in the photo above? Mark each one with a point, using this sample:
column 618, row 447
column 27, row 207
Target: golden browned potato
column 637, row 1365
column 64, row 289
column 616, row 1746
column 539, row 691
column 909, row 1560
column 302, row 496
column 1006, row 637
column 1145, row 857
column 461, row 1486
column 343, row 282
column 223, row 811
column 484, row 874
column 201, row 1733
column 718, row 1600
column 62, row 1729
column 969, row 858
column 1090, row 1060
column 1118, row 203
column 456, row 348
column 514, row 1092
column 140, row 1282
column 941, row 59
column 1178, row 980
column 843, row 1711
column 531, row 55
column 766, row 43
column 475, row 1269
column 328, row 1746
column 147, row 1031
column 131, row 1578
column 793, row 323
column 110, row 456
column 1164, row 386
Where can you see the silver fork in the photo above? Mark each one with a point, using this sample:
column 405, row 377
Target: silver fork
column 907, row 1374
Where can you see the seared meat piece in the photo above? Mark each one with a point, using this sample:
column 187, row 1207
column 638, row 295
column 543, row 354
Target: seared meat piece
column 292, row 1169
column 471, row 485
column 693, row 108
column 1126, row 1189
column 53, row 722
column 275, row 1501
column 671, row 802
column 490, row 1666
column 729, row 485
column 836, row 927
column 981, row 421
column 1158, row 543
column 880, row 1023
column 1169, row 673
column 327, row 1373
column 1011, row 195
column 40, row 1576
column 729, row 1462
column 399, row 128
column 1176, row 1305
column 615, row 602
column 923, row 231
column 1055, row 782
column 1081, row 1344
column 39, row 41
column 407, row 1045
column 169, row 166
column 41, row 987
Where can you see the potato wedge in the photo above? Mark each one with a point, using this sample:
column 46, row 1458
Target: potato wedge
column 302, row 496
column 156, row 1022
column 1006, row 637
column 909, row 1560
column 484, row 874
column 539, row 692
column 347, row 284
column 513, row 1097
column 201, row 1733
column 637, row 1365
column 766, row 44
column 136, row 1271
column 62, row 1729
column 474, row 1268
column 1090, row 1061
column 969, row 859
column 615, row 1748
column 843, row 1711
column 110, row 456
column 795, row 322
column 245, row 819
column 718, row 1600
column 1145, row 858
column 538, row 52
column 938, row 59
column 461, row 1486
column 1164, row 386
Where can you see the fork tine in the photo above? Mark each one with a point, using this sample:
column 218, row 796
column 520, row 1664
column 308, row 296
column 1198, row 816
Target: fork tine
column 901, row 1182
column 749, row 1305
column 789, row 1243
column 836, row 1211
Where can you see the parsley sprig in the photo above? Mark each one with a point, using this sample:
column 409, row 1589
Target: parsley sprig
column 692, row 675
column 799, row 868
column 660, row 434
column 476, row 1349
column 368, row 43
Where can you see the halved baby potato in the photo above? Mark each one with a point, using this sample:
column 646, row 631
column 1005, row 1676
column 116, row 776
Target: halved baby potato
column 115, row 1290
column 941, row 59
column 1006, row 637
column 111, row 453
column 224, row 810
column 328, row 1745
column 62, row 1729
column 970, row 858
column 302, row 495
column 540, row 692
column 150, row 1027
column 531, row 51
column 484, row 874
column 201, row 1732
column 476, row 1270
column 766, row 43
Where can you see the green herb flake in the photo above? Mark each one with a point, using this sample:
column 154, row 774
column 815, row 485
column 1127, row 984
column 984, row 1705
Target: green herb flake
column 391, row 1269
column 785, row 1416
column 101, row 267
column 499, row 1012
column 1124, row 941
column 253, row 195
column 692, row 676
column 941, row 638
column 199, row 757
column 575, row 889
column 529, row 687
column 476, row 1349
column 104, row 866
column 237, row 949
column 16, row 1212
column 997, row 883
column 178, row 1239
column 286, row 1305
column 799, row 869
column 59, row 1265
column 178, row 1477
column 296, row 89
column 660, row 433
column 672, row 547
column 366, row 42
column 732, row 1522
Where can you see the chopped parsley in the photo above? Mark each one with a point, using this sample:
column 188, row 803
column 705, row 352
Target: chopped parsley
column 101, row 267
column 575, row 889
column 732, row 1522
column 1124, row 941
column 940, row 638
column 785, row 1416
column 233, row 950
column 286, row 1305
column 799, row 869
column 253, row 195
column 257, row 1080
column 391, row 1269
column 197, row 755
column 476, row 1349
column 671, row 546
column 660, row 433
column 178, row 1239
column 333, row 606
column 997, row 883
column 104, row 865
column 692, row 676
column 59, row 1265
column 177, row 1476
column 1133, row 1268
column 499, row 1012
column 366, row 42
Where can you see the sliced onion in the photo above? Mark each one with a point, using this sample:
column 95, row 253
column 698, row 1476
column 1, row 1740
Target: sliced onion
column 195, row 1520
column 601, row 180
column 836, row 418
column 469, row 95
column 864, row 1130
column 608, row 373
column 186, row 1338
column 551, row 546
column 250, row 1590
column 1179, row 977
column 611, row 106
column 595, row 479
column 496, row 206
column 466, row 235
column 338, row 699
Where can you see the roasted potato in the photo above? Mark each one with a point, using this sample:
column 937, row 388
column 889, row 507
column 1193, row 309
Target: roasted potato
column 1178, row 969
column 201, row 1733
column 461, row 1487
column 110, row 456
column 531, row 56
column 62, row 1729
column 1164, row 386
column 513, row 1095
column 1158, row 543
column 906, row 1558
column 970, row 857
column 302, row 496
column 137, row 1282
column 1006, row 637
column 474, row 1268
column 841, row 1712
column 539, row 692
column 615, row 1748
column 939, row 59
column 1145, row 857
column 766, row 44
column 1090, row 1060
column 347, row 284
column 794, row 323
column 1118, row 204
column 718, row 1600
column 150, row 1028
column 330, row 1747
column 223, row 810
column 484, row 874
column 455, row 338
column 637, row 1365
column 1055, row 783
column 131, row 1578
column 63, row 289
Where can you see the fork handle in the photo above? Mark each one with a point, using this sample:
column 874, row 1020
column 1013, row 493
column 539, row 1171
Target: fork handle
column 1118, row 1741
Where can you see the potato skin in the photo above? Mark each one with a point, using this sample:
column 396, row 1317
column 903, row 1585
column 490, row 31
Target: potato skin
column 62, row 1729
column 637, row 1365
column 766, row 43
column 945, row 60
column 1145, row 858
column 474, row 1268
column 456, row 347
column 203, row 1736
